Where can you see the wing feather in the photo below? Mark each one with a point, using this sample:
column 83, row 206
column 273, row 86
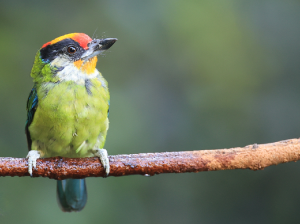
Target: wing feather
column 32, row 104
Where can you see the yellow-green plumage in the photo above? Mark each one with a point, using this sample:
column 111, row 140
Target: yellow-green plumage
column 67, row 109
column 69, row 121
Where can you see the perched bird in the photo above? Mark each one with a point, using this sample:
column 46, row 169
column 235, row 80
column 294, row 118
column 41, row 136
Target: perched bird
column 67, row 109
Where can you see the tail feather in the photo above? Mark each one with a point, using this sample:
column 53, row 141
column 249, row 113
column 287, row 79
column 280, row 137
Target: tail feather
column 71, row 194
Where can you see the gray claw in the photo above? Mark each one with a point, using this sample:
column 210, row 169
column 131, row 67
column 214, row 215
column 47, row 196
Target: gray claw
column 102, row 154
column 32, row 156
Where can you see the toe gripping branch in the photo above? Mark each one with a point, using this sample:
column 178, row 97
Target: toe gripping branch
column 32, row 156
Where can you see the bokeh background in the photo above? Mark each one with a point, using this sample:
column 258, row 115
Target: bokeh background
column 184, row 75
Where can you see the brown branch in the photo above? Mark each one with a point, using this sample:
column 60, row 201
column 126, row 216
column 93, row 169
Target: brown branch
column 254, row 157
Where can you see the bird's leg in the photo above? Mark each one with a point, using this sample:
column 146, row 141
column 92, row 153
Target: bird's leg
column 32, row 156
column 102, row 154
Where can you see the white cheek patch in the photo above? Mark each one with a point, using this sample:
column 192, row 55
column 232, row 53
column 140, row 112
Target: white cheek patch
column 60, row 61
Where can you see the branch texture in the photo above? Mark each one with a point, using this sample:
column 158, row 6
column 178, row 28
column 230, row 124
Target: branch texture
column 253, row 157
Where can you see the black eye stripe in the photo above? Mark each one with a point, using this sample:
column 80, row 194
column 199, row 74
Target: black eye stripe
column 50, row 52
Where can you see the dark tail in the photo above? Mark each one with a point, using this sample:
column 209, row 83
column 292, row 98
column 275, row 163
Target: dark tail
column 71, row 194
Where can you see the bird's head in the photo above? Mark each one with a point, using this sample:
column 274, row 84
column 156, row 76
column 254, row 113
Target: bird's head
column 73, row 53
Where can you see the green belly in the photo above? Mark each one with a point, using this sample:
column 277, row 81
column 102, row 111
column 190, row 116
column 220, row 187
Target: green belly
column 68, row 121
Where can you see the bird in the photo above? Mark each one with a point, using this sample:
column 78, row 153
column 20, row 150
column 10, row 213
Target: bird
column 68, row 108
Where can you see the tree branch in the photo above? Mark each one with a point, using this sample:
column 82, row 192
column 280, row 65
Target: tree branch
column 253, row 157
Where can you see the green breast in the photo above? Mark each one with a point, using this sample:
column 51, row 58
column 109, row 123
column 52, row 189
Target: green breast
column 71, row 119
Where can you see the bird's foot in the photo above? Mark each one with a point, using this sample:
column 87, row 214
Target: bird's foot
column 32, row 156
column 102, row 154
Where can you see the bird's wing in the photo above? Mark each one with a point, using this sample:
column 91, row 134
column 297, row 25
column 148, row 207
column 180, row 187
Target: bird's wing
column 32, row 104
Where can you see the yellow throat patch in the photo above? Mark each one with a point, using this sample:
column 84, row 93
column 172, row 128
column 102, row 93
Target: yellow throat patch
column 87, row 67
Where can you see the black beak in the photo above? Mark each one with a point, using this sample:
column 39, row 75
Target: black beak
column 96, row 46
column 102, row 44
column 107, row 43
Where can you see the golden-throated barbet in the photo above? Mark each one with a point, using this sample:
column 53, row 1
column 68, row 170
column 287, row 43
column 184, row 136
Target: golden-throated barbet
column 67, row 109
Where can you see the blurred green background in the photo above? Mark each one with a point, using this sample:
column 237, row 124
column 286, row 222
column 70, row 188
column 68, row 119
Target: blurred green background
column 184, row 75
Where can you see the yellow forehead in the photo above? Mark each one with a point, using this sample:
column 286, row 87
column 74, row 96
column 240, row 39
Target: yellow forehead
column 70, row 35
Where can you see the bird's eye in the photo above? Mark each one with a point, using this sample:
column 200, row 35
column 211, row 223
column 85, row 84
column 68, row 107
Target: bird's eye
column 71, row 49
